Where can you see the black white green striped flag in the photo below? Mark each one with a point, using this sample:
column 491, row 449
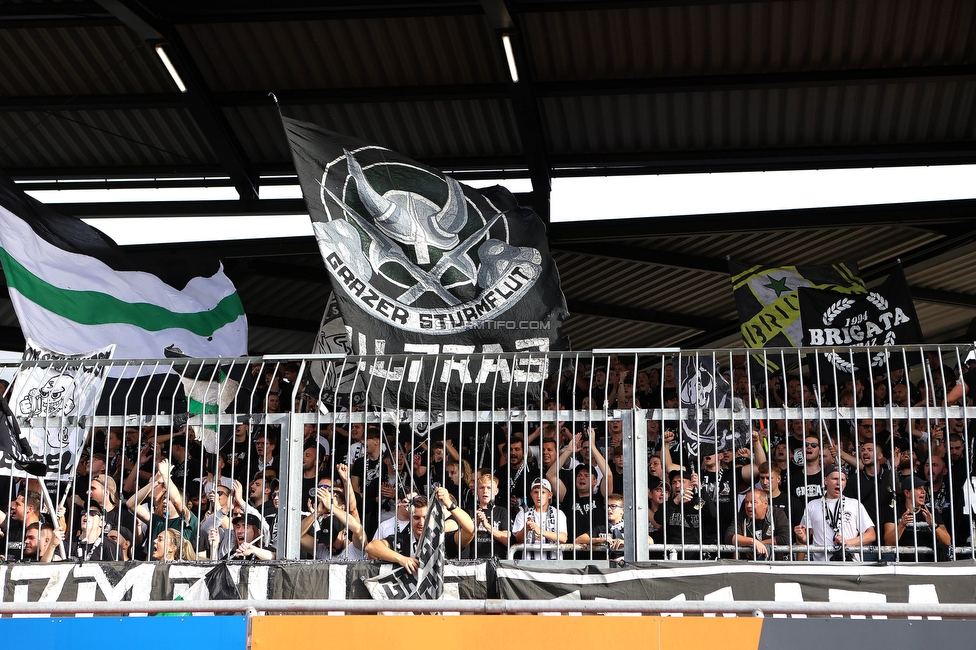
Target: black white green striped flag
column 74, row 289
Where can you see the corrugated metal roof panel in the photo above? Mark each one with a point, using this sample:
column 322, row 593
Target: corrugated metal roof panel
column 867, row 245
column 78, row 60
column 430, row 129
column 263, row 340
column 889, row 113
column 589, row 332
column 723, row 37
column 287, row 298
column 106, row 137
column 957, row 275
column 942, row 322
column 347, row 53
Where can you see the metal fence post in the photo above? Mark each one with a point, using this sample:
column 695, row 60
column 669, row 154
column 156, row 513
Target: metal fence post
column 635, row 484
column 289, row 487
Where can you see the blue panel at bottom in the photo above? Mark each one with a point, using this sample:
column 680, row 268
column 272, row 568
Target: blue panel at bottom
column 152, row 632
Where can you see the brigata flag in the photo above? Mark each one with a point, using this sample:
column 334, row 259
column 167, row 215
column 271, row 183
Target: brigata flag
column 423, row 264
column 884, row 316
column 769, row 306
column 75, row 290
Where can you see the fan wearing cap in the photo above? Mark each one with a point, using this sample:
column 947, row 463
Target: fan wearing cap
column 835, row 520
column 331, row 530
column 250, row 541
column 217, row 526
column 913, row 524
column 543, row 524
column 89, row 542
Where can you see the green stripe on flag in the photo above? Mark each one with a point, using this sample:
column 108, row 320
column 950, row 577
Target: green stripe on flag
column 95, row 308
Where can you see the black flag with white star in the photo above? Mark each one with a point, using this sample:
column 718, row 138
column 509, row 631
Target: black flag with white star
column 422, row 264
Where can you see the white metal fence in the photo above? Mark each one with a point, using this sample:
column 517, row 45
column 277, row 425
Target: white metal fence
column 698, row 449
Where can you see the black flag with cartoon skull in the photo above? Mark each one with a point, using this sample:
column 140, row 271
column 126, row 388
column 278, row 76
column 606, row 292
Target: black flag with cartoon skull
column 422, row 264
column 884, row 316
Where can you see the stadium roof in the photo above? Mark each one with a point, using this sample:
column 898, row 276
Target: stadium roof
column 605, row 87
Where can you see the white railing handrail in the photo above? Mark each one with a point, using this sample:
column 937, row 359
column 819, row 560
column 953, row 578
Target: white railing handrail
column 648, row 607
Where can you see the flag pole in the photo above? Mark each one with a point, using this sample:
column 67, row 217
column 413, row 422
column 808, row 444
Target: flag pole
column 54, row 513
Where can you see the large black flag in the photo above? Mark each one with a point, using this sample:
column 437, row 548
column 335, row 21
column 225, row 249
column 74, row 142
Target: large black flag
column 422, row 264
column 884, row 316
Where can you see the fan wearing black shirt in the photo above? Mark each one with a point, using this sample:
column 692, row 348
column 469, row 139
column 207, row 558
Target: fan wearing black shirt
column 914, row 524
column 806, row 484
column 686, row 517
column 491, row 522
column 759, row 526
column 90, row 542
column 365, row 479
column 515, row 476
column 584, row 509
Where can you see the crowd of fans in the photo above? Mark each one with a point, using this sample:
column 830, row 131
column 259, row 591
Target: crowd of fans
column 808, row 488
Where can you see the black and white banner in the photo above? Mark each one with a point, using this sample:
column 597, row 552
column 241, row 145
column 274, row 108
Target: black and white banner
column 421, row 265
column 117, row 581
column 946, row 583
column 49, row 402
column 339, row 382
column 732, row 581
column 428, row 582
column 882, row 317
column 702, row 390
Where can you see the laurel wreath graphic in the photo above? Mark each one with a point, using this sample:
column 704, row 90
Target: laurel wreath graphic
column 877, row 300
column 839, row 362
column 836, row 310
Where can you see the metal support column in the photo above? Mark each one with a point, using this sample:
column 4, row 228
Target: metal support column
column 289, row 481
column 635, row 485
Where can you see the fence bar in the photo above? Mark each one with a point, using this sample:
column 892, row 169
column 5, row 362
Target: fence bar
column 587, row 404
column 495, row 607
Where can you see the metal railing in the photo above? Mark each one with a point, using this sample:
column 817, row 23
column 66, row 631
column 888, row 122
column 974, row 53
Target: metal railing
column 500, row 607
column 601, row 428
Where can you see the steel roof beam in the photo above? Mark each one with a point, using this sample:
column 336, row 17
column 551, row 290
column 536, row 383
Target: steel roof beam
column 566, row 88
column 755, row 81
column 942, row 297
column 208, row 116
column 189, row 13
column 837, row 157
column 243, row 248
column 525, row 104
column 900, row 214
column 278, row 270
